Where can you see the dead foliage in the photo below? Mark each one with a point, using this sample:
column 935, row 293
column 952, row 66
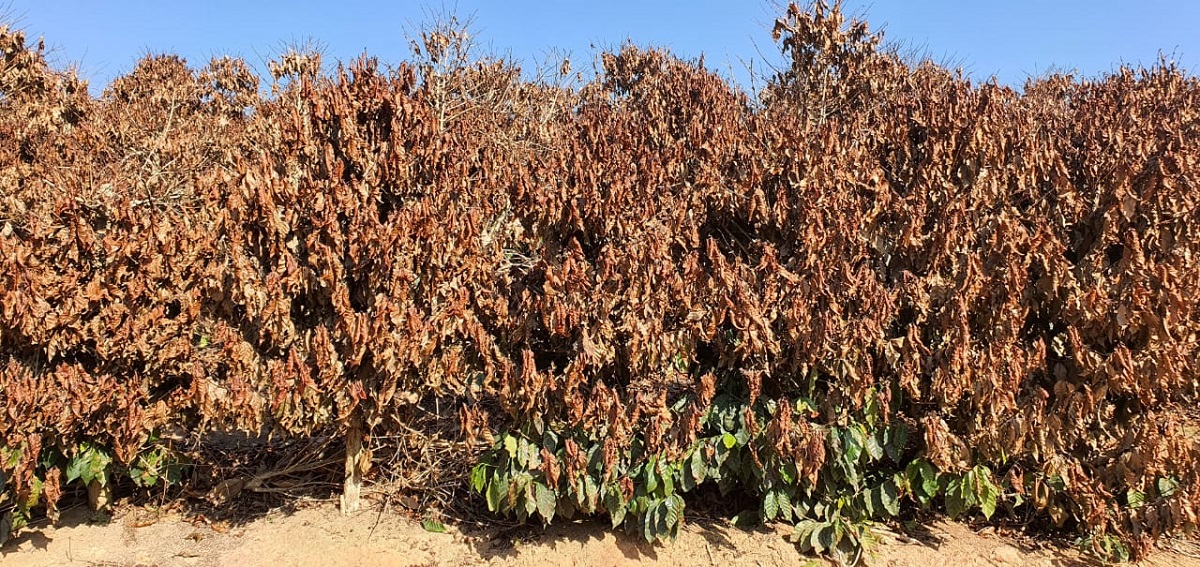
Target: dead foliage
column 1016, row 272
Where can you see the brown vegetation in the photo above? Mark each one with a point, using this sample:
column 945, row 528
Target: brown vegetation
column 1009, row 277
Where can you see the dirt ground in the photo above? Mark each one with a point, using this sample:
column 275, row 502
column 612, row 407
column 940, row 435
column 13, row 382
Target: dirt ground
column 316, row 534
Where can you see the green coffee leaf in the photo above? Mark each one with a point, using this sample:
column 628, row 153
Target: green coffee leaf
column 785, row 505
column 530, row 455
column 872, row 502
column 591, row 492
column 824, row 538
column 746, row 518
column 497, row 490
column 479, row 477
column 650, row 524
column 873, row 447
column 687, row 482
column 802, row 534
column 547, row 502
column 6, row 524
column 668, row 478
column 889, row 496
column 896, row 439
column 651, row 476
column 923, row 479
column 852, row 445
column 956, row 504
column 433, row 526
column 1167, row 487
column 847, row 551
column 697, row 467
column 527, row 495
column 770, row 506
column 672, row 510
column 91, row 463
column 987, row 503
column 615, row 503
column 788, row 473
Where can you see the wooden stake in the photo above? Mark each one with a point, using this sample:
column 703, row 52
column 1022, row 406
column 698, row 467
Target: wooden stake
column 352, row 488
column 99, row 495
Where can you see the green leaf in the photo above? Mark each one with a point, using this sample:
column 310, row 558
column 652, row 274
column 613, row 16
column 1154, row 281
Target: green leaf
column 547, row 502
column 76, row 469
column 872, row 502
column 824, row 538
column 539, row 425
column 651, row 475
column 929, row 479
column 510, row 446
column 479, row 477
column 687, row 481
column 615, row 503
column 901, row 481
column 143, row 478
column 958, row 497
column 770, row 506
column 673, row 510
column 1057, row 482
column 802, row 535
column 848, row 550
column 987, row 503
column 789, row 473
column 922, row 478
column 522, row 454
column 729, row 441
column 851, row 445
column 897, row 438
column 785, row 505
column 1135, row 498
column 591, row 492
column 871, row 411
column 681, row 363
column 14, row 456
column 1167, row 487
column 6, row 525
column 566, row 508
column 889, row 495
column 874, row 448
column 746, row 518
column 698, row 469
column 667, row 478
column 550, row 441
column 497, row 491
column 433, row 526
column 650, row 524
column 535, row 455
column 529, row 496
column 91, row 463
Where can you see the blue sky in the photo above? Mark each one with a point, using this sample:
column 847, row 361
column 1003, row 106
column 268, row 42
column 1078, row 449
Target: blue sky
column 1010, row 39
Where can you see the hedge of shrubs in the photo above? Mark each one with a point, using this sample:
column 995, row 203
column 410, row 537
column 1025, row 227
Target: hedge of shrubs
column 870, row 287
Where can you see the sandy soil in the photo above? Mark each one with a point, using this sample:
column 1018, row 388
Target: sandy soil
column 317, row 535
